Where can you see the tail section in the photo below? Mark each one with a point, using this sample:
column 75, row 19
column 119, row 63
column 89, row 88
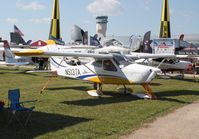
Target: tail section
column 55, row 22
column 17, row 30
column 16, row 38
column 165, row 21
column 147, row 42
column 28, row 42
column 147, row 36
column 9, row 55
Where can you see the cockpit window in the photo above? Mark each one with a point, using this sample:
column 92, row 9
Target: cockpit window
column 97, row 63
column 121, row 60
column 108, row 65
column 72, row 62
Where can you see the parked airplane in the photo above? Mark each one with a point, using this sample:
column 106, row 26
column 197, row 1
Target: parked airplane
column 162, row 46
column 179, row 47
column 162, row 56
column 103, row 69
column 10, row 58
column 172, row 45
column 167, row 65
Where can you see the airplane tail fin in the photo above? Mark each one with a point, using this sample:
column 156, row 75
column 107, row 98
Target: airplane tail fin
column 145, row 45
column 94, row 41
column 9, row 55
column 16, row 38
column 28, row 42
column 147, row 36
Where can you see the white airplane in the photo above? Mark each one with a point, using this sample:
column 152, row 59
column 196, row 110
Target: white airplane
column 166, row 45
column 167, row 65
column 140, row 58
column 10, row 58
column 165, row 61
column 106, row 68
column 162, row 56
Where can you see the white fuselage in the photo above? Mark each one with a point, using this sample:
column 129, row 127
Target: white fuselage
column 96, row 71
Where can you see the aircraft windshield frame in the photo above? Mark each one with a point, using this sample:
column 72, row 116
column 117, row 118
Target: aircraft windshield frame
column 121, row 60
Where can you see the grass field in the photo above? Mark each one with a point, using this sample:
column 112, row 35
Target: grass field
column 65, row 110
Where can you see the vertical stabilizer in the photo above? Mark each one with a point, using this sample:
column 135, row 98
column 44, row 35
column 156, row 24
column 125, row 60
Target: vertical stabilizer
column 55, row 22
column 9, row 55
column 165, row 31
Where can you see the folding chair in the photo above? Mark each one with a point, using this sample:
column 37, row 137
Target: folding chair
column 17, row 109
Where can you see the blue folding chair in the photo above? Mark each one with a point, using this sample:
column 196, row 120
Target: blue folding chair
column 17, row 109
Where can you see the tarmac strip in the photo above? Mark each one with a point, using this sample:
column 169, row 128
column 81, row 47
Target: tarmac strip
column 181, row 124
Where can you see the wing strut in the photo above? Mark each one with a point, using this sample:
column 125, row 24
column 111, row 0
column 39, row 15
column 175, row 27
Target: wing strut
column 161, row 63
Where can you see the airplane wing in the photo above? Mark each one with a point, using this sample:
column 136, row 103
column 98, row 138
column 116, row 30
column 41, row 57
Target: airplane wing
column 44, row 53
column 69, row 52
column 187, row 56
column 135, row 55
column 113, row 49
column 14, row 64
column 72, row 54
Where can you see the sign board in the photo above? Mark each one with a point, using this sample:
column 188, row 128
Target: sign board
column 163, row 46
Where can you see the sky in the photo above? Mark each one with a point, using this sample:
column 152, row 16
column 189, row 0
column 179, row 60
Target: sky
column 125, row 17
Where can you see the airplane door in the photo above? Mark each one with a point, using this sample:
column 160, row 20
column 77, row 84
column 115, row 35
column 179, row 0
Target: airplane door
column 106, row 66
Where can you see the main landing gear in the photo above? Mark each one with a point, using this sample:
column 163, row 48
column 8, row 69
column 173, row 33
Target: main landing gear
column 97, row 91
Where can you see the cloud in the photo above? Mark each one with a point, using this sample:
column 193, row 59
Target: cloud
column 146, row 4
column 105, row 7
column 39, row 20
column 12, row 20
column 30, row 6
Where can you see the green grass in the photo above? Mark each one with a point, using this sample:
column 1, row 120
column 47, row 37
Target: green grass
column 65, row 110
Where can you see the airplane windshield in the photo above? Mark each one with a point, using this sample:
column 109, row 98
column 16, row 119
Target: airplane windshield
column 121, row 60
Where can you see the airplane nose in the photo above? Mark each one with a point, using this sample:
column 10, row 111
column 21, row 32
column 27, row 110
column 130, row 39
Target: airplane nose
column 157, row 70
column 153, row 72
